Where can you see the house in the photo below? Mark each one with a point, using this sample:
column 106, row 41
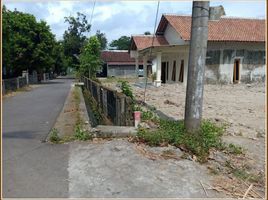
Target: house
column 235, row 50
column 118, row 63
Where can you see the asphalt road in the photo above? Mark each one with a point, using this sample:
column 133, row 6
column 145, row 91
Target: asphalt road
column 32, row 168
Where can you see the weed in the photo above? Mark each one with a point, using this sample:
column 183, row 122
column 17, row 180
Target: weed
column 54, row 136
column 174, row 133
column 126, row 89
column 147, row 115
column 233, row 149
column 80, row 134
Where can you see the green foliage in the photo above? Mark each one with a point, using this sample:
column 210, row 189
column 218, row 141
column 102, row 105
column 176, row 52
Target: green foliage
column 54, row 136
column 102, row 39
column 174, row 133
column 147, row 115
column 126, row 89
column 122, row 43
column 74, row 38
column 27, row 44
column 90, row 101
column 80, row 134
column 147, row 33
column 90, row 61
column 233, row 149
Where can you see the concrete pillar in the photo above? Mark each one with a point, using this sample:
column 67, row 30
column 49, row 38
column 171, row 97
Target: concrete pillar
column 137, row 67
column 185, row 69
column 18, row 83
column 145, row 67
column 196, row 69
column 44, row 76
column 26, row 74
column 158, row 69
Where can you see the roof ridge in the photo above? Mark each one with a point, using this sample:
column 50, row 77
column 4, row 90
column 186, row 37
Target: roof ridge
column 223, row 17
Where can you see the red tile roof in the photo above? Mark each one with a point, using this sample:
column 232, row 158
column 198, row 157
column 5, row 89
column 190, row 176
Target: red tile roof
column 144, row 41
column 117, row 57
column 225, row 29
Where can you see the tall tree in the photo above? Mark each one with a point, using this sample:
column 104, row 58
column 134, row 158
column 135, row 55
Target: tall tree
column 147, row 33
column 74, row 38
column 90, row 61
column 102, row 39
column 27, row 44
column 122, row 43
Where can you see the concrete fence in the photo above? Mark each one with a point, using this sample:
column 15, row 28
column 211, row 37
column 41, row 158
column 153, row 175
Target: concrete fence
column 115, row 106
column 13, row 84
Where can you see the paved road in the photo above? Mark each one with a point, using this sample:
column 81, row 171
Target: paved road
column 32, row 168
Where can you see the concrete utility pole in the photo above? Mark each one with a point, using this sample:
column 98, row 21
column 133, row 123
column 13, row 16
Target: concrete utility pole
column 196, row 69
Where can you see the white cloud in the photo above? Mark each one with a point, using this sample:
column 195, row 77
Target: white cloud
column 117, row 18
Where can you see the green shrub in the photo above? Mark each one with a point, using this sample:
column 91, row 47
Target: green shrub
column 174, row 133
column 126, row 89
column 80, row 134
column 54, row 136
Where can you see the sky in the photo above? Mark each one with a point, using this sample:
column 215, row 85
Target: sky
column 117, row 18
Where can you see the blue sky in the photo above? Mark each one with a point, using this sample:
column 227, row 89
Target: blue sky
column 117, row 18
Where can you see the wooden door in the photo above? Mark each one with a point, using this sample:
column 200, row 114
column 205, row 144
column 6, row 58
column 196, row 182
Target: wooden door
column 236, row 75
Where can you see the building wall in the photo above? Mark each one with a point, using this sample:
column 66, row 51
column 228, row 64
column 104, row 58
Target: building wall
column 173, row 37
column 121, row 70
column 221, row 58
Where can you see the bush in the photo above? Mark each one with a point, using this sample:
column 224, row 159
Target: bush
column 54, row 136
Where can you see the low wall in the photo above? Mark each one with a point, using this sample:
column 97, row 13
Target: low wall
column 115, row 106
column 13, row 84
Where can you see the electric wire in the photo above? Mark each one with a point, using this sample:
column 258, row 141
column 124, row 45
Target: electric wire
column 150, row 54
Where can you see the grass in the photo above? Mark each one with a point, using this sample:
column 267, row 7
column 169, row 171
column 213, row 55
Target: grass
column 54, row 136
column 81, row 134
column 243, row 173
column 174, row 133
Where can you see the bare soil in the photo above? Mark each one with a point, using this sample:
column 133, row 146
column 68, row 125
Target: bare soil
column 241, row 107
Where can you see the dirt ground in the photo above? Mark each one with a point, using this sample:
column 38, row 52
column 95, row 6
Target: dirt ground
column 241, row 107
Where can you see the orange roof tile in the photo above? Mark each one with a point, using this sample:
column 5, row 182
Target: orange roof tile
column 225, row 29
column 144, row 41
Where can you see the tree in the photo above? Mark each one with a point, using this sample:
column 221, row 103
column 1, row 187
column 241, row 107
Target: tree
column 122, row 43
column 27, row 44
column 90, row 61
column 102, row 39
column 147, row 33
column 74, row 38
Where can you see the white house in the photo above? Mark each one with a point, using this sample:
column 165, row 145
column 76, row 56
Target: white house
column 235, row 51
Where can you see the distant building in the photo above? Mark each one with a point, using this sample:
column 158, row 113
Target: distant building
column 117, row 63
column 235, row 50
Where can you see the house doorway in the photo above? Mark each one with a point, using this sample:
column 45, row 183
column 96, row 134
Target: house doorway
column 181, row 71
column 163, row 72
column 236, row 74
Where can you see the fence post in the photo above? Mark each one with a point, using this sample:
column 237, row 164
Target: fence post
column 122, row 112
column 18, row 83
column 26, row 75
column 117, row 111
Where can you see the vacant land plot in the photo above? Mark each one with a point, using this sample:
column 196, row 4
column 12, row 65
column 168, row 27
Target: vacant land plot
column 240, row 107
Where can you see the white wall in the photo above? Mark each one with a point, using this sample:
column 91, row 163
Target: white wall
column 173, row 37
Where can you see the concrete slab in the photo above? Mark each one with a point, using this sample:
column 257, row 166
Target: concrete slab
column 114, row 131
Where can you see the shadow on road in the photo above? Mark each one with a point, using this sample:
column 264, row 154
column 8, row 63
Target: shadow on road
column 20, row 135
